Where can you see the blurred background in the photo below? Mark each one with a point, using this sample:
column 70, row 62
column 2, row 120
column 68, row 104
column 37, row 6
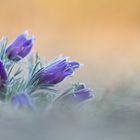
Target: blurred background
column 104, row 35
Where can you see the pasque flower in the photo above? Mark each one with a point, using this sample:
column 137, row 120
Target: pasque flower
column 20, row 47
column 3, row 74
column 80, row 93
column 22, row 100
column 55, row 72
column 32, row 89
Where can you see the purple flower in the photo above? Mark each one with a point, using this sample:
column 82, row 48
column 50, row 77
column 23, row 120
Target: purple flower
column 55, row 72
column 20, row 47
column 22, row 100
column 80, row 93
column 3, row 74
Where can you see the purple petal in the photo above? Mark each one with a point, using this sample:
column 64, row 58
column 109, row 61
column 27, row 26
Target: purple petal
column 27, row 47
column 20, row 48
column 56, row 72
column 22, row 100
column 74, row 64
column 18, row 41
column 3, row 73
column 79, row 95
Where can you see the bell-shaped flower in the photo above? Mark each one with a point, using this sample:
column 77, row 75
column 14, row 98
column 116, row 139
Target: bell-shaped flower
column 80, row 94
column 20, row 47
column 55, row 72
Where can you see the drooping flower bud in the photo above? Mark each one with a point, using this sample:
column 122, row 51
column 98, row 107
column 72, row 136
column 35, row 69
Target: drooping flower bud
column 80, row 93
column 20, row 47
column 56, row 72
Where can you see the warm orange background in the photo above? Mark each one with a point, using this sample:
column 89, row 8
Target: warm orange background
column 102, row 34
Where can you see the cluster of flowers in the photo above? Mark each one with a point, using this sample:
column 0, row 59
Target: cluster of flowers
column 40, row 80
